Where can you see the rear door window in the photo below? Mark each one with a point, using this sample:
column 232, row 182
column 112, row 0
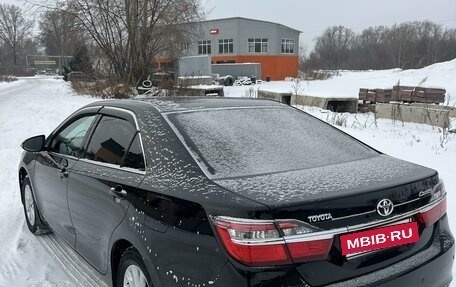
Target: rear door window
column 111, row 140
column 135, row 157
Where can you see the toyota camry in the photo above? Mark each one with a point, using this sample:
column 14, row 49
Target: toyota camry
column 233, row 192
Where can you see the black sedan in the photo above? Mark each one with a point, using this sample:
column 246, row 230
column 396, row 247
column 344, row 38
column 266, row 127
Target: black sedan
column 233, row 192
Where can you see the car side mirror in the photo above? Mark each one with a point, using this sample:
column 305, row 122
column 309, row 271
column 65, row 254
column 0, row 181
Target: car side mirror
column 34, row 144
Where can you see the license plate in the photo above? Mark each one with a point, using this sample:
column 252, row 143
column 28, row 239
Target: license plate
column 379, row 238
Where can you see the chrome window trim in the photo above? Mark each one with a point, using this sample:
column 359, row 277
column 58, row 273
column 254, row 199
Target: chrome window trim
column 63, row 155
column 113, row 166
column 125, row 110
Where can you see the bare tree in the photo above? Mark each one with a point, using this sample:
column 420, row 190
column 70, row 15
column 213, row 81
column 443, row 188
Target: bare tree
column 333, row 46
column 14, row 28
column 407, row 45
column 60, row 33
column 131, row 33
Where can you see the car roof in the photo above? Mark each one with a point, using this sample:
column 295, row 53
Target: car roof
column 181, row 104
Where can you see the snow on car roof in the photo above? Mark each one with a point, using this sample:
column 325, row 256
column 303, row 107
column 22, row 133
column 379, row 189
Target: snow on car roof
column 174, row 104
column 180, row 104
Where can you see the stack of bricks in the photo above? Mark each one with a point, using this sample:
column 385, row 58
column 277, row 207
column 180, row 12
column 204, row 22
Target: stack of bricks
column 405, row 94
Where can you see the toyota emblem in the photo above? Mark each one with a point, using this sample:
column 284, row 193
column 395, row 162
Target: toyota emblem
column 385, row 207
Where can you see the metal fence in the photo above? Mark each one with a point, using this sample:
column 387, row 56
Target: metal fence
column 17, row 71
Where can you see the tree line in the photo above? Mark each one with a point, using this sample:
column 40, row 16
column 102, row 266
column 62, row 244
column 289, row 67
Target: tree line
column 117, row 38
column 120, row 39
column 407, row 45
column 15, row 39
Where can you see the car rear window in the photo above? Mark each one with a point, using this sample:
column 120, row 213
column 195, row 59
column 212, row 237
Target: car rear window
column 251, row 141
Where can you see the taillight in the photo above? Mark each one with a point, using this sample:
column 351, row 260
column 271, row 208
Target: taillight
column 302, row 244
column 437, row 209
column 252, row 242
column 311, row 250
column 430, row 216
column 268, row 242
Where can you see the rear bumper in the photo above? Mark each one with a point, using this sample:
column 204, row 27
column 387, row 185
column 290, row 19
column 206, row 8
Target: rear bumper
column 431, row 267
column 436, row 273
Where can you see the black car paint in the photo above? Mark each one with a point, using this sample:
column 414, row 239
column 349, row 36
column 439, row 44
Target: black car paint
column 52, row 201
column 166, row 215
column 95, row 211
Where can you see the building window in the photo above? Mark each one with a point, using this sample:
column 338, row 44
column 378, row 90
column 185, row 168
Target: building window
column 287, row 46
column 185, row 46
column 204, row 47
column 226, row 46
column 258, row 45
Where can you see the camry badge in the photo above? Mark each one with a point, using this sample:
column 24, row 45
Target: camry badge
column 385, row 207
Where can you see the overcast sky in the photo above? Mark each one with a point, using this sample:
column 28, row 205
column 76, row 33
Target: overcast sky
column 312, row 17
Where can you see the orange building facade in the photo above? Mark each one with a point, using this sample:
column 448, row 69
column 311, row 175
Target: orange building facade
column 274, row 67
column 241, row 40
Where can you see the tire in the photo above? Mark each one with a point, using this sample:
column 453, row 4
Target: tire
column 229, row 81
column 146, row 84
column 32, row 215
column 130, row 268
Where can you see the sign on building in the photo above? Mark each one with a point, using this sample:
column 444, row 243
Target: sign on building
column 44, row 62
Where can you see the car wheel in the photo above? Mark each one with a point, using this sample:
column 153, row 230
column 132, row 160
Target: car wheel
column 34, row 223
column 132, row 271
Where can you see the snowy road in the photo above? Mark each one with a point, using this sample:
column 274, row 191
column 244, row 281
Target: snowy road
column 27, row 107
column 36, row 105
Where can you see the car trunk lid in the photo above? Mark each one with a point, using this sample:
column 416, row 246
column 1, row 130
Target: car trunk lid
column 344, row 198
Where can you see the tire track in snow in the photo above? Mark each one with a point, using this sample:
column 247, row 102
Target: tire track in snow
column 80, row 272
column 9, row 269
column 32, row 106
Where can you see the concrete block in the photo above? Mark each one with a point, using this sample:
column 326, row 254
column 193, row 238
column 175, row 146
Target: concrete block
column 435, row 115
column 343, row 105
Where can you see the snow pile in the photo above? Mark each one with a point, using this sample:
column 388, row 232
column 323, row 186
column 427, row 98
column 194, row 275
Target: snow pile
column 348, row 83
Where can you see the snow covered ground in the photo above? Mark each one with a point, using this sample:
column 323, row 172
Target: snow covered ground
column 32, row 106
column 348, row 83
column 28, row 107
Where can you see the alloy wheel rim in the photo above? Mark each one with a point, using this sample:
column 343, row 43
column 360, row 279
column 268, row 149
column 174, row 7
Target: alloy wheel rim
column 134, row 277
column 29, row 205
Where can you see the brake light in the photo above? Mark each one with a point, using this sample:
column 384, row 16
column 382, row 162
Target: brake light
column 429, row 217
column 436, row 211
column 304, row 248
column 310, row 250
column 268, row 242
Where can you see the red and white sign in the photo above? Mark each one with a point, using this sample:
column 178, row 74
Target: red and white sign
column 379, row 238
column 214, row 31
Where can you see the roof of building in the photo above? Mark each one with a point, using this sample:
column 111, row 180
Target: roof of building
column 249, row 19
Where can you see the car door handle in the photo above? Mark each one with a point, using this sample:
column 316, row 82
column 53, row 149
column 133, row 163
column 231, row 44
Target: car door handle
column 118, row 192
